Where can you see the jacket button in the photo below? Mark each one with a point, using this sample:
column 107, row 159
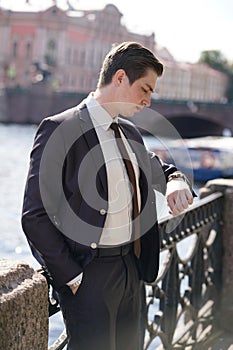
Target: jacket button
column 93, row 245
column 56, row 220
column 102, row 211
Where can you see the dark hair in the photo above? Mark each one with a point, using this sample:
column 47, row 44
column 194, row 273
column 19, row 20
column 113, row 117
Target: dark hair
column 134, row 58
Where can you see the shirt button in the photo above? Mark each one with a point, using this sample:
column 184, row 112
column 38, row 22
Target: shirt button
column 93, row 245
column 102, row 211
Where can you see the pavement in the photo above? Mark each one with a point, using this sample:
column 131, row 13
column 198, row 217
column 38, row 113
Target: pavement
column 223, row 341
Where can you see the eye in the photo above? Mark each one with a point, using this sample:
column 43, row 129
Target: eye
column 144, row 90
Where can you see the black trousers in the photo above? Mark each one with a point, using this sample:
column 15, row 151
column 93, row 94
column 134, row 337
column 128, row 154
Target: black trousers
column 104, row 314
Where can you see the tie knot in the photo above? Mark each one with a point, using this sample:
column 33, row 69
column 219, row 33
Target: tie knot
column 114, row 126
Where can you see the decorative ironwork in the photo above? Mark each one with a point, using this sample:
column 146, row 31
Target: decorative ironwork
column 180, row 305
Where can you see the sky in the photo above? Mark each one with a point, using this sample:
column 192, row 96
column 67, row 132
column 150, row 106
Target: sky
column 184, row 27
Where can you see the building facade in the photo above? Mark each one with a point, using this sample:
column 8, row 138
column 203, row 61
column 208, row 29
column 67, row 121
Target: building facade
column 192, row 82
column 66, row 48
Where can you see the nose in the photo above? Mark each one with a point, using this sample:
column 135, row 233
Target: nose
column 146, row 102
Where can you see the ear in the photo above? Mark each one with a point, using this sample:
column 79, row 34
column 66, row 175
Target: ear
column 119, row 76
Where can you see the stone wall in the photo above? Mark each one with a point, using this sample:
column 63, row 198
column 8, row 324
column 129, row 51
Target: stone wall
column 31, row 106
column 23, row 307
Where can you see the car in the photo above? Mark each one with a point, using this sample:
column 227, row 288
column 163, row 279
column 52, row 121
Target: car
column 203, row 158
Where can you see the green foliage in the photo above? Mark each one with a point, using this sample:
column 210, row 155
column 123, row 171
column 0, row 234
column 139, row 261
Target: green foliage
column 230, row 87
column 216, row 60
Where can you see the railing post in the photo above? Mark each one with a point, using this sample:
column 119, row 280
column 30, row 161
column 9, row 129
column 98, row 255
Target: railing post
column 23, row 307
column 225, row 317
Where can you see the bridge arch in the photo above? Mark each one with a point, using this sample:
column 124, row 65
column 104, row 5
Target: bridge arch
column 190, row 117
column 190, row 125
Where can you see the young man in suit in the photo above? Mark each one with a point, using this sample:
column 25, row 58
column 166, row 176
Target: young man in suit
column 89, row 209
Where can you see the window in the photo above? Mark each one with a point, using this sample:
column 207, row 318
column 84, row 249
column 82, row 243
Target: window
column 68, row 55
column 83, row 57
column 15, row 49
column 28, row 50
column 51, row 53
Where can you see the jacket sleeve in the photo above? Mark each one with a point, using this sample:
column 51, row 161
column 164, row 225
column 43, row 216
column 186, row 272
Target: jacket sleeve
column 39, row 224
column 160, row 172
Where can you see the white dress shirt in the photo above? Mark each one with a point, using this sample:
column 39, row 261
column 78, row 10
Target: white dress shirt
column 118, row 225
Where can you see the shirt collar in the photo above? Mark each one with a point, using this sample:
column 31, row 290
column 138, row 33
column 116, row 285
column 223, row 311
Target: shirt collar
column 98, row 113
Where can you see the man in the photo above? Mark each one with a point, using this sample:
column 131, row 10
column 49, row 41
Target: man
column 89, row 188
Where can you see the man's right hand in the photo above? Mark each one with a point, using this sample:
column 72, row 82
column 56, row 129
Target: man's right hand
column 75, row 286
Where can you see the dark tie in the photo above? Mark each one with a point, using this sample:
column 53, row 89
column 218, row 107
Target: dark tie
column 132, row 179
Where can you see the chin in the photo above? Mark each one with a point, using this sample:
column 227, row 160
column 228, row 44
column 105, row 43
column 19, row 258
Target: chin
column 128, row 114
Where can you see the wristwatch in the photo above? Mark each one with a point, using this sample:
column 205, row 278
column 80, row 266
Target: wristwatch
column 180, row 175
column 177, row 175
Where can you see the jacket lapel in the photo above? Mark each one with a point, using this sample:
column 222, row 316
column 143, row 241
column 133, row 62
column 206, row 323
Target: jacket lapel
column 135, row 143
column 90, row 136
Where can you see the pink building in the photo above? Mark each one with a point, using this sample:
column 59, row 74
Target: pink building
column 69, row 44
column 67, row 49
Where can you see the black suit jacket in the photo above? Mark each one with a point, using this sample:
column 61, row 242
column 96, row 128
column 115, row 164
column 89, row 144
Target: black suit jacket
column 66, row 195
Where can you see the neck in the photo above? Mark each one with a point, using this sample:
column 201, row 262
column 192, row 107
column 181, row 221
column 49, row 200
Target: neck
column 106, row 99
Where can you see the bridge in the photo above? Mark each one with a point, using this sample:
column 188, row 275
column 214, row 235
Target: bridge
column 189, row 118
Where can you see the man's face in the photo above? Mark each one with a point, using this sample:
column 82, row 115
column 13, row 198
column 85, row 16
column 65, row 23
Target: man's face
column 133, row 98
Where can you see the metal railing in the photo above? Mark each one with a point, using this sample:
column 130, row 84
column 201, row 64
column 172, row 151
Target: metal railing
column 180, row 306
column 181, row 303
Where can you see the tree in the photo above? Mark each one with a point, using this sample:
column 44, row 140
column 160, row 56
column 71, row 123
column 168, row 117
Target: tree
column 216, row 60
column 230, row 86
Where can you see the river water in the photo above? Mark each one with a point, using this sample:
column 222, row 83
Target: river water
column 15, row 146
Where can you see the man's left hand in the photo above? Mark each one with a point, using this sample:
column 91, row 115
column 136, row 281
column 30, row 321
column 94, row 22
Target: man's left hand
column 178, row 196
